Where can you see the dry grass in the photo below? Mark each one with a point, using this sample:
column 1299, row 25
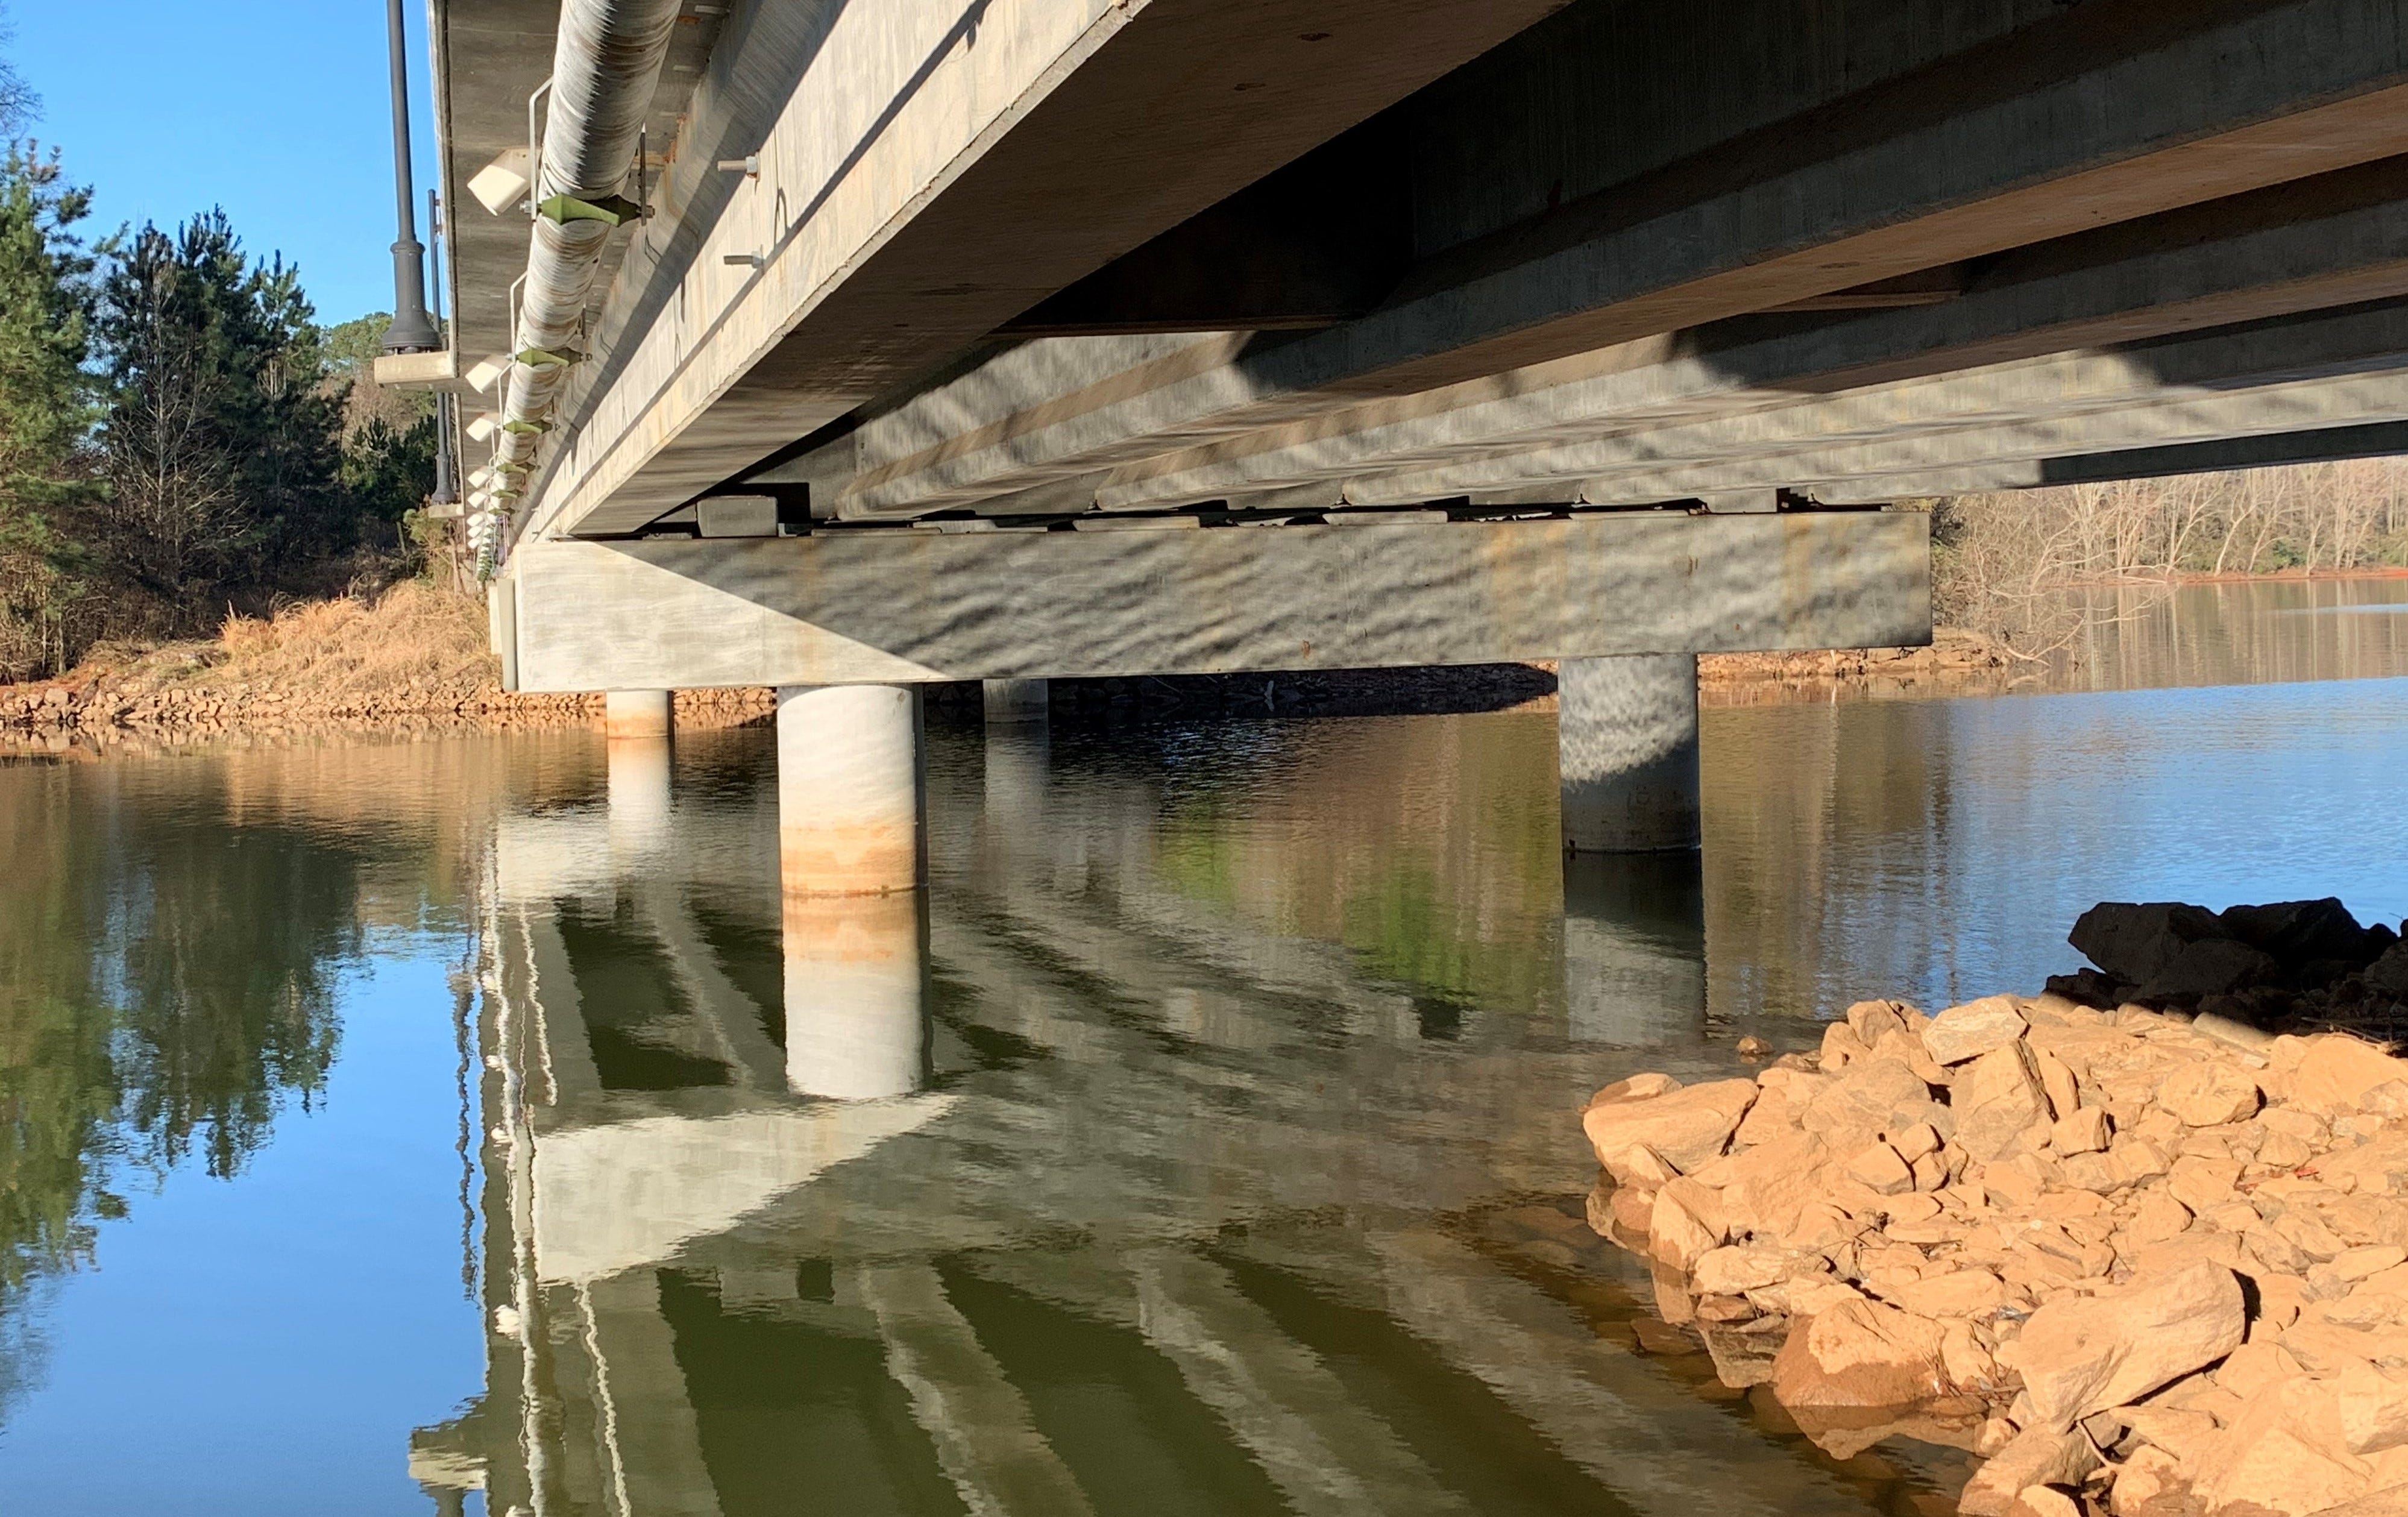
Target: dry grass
column 411, row 657
column 414, row 639
column 413, row 635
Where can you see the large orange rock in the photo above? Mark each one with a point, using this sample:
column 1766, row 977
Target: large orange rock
column 2035, row 1456
column 1686, row 1128
column 2209, row 1094
column 1676, row 1235
column 2045, row 1501
column 2150, row 1483
column 2338, row 1071
column 2082, row 1354
column 1765, row 1188
column 1959, row 1293
column 2369, row 1409
column 1860, row 1354
column 1995, row 1099
column 1742, row 1268
column 1875, row 1095
column 2276, row 1461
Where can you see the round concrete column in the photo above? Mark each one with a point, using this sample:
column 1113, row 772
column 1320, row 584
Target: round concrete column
column 636, row 713
column 1626, row 753
column 855, row 1029
column 849, row 790
column 1013, row 701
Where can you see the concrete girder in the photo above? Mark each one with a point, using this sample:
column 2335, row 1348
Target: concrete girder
column 2339, row 239
column 2322, row 445
column 2113, row 135
column 927, row 173
column 2357, row 341
column 2186, row 418
column 895, row 606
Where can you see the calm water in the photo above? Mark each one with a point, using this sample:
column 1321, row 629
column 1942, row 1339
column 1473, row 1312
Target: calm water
column 407, row 1127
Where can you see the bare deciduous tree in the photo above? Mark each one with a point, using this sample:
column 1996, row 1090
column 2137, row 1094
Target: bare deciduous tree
column 2004, row 561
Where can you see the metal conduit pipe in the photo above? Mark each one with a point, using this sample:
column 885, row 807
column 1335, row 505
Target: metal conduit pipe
column 606, row 65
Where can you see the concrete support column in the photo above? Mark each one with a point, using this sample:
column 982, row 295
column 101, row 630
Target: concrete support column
column 1013, row 701
column 851, row 859
column 849, row 786
column 636, row 713
column 1626, row 753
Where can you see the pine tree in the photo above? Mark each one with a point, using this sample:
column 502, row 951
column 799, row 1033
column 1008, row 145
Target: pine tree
column 387, row 471
column 223, row 446
column 46, row 405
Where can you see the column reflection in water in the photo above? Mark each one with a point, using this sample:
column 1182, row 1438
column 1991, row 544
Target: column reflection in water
column 639, row 796
column 1017, row 758
column 856, row 1028
column 1219, row 1038
column 1635, row 948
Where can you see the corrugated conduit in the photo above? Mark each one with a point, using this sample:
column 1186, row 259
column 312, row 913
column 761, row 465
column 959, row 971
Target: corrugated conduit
column 606, row 67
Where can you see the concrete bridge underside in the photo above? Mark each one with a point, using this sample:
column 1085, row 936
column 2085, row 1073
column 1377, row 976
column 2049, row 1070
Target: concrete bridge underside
column 1040, row 259
column 1515, row 320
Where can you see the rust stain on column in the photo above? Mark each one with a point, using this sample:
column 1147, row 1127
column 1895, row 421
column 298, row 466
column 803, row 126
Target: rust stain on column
column 829, row 858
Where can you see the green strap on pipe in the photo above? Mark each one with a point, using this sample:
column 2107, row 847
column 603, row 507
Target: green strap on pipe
column 613, row 210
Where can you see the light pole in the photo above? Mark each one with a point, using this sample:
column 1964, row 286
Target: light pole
column 447, row 484
column 412, row 331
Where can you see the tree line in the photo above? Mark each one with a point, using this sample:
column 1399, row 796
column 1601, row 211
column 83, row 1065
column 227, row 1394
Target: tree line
column 178, row 437
column 2003, row 564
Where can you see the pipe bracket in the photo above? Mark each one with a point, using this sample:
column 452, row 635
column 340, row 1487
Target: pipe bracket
column 612, row 211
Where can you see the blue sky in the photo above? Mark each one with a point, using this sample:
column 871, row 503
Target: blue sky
column 276, row 109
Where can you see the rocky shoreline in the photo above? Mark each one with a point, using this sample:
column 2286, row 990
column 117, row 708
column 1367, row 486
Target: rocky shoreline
column 1956, row 657
column 57, row 718
column 2144, row 1260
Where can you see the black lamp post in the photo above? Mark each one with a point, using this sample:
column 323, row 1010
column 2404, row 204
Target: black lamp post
column 446, row 483
column 413, row 330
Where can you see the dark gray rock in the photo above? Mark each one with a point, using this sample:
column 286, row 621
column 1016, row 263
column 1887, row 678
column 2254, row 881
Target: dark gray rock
column 2210, row 966
column 2091, row 987
column 2258, row 1006
column 2136, row 942
column 2388, row 975
column 2301, row 933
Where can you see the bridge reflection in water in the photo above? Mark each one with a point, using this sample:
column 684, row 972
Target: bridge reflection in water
column 1199, row 1141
